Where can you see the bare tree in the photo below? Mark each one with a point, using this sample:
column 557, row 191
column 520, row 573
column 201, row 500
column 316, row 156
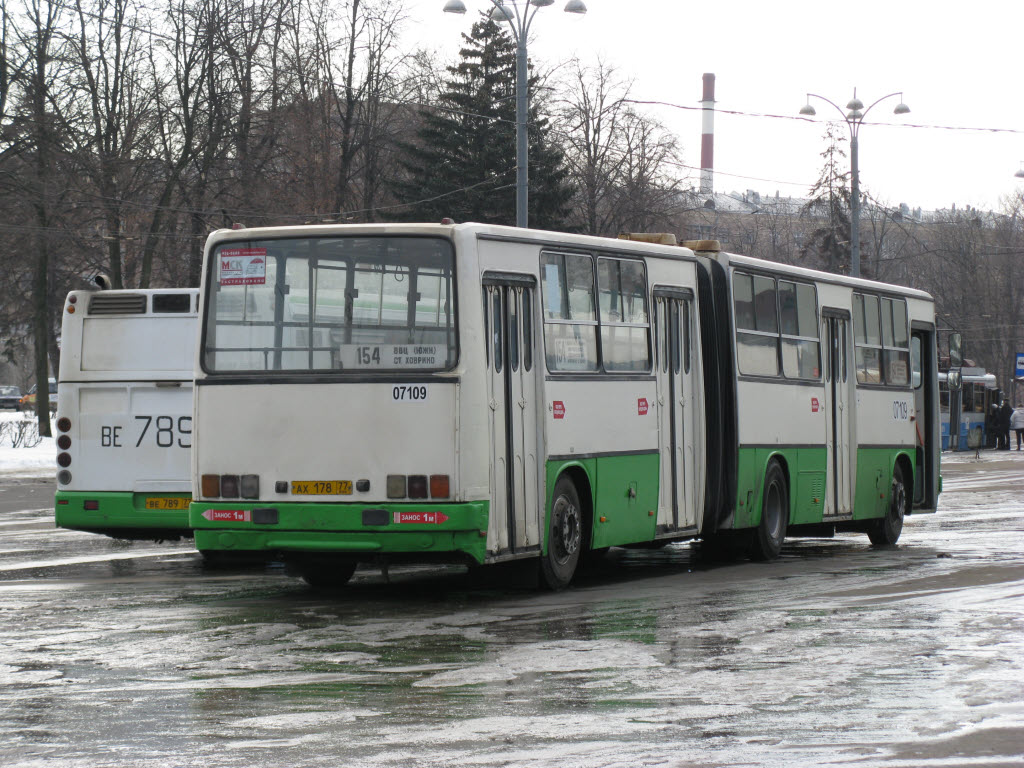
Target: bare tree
column 44, row 129
column 114, row 103
column 590, row 115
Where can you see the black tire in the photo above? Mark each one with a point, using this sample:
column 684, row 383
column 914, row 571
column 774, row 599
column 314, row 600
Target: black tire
column 330, row 575
column 766, row 542
column 565, row 536
column 886, row 532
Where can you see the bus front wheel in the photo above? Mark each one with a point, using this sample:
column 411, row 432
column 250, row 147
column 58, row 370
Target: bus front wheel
column 886, row 532
column 565, row 536
column 771, row 531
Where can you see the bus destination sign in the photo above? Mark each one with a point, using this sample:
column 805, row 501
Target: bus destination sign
column 392, row 356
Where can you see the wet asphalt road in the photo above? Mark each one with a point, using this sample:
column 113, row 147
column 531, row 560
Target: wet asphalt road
column 838, row 654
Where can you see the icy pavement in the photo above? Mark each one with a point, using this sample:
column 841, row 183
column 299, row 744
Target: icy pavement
column 836, row 655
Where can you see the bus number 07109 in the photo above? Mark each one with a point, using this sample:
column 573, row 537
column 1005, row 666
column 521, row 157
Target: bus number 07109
column 417, row 393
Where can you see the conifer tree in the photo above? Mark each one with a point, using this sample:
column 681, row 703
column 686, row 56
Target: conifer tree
column 829, row 203
column 463, row 164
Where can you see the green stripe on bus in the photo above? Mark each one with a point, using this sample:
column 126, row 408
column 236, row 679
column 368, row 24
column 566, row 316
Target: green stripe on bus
column 806, row 471
column 608, row 481
column 874, row 480
column 805, row 468
column 117, row 510
column 331, row 527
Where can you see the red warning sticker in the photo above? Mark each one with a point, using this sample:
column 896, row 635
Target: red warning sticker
column 228, row 515
column 815, row 405
column 420, row 518
column 641, row 406
column 558, row 408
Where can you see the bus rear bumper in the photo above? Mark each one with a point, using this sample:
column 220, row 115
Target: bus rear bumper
column 123, row 514
column 357, row 530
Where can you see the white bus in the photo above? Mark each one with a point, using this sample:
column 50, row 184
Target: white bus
column 124, row 412
column 474, row 392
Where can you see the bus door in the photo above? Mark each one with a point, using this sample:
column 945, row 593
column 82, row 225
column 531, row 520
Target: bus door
column 925, row 417
column 677, row 410
column 840, row 451
column 512, row 400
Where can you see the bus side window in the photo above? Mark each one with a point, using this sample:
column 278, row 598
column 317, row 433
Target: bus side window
column 798, row 311
column 622, row 293
column 895, row 343
column 686, row 336
column 527, row 329
column 496, row 328
column 570, row 314
column 757, row 328
column 867, row 339
column 513, row 328
column 917, row 377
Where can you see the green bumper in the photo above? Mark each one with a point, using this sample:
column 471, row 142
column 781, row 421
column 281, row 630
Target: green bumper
column 121, row 511
column 352, row 529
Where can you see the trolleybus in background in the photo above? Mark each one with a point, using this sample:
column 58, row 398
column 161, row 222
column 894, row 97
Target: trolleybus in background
column 979, row 394
column 483, row 393
column 124, row 413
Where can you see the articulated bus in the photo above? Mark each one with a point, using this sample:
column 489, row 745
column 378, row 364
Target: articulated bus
column 124, row 412
column 483, row 393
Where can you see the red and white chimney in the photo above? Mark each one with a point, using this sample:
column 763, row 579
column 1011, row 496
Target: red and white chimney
column 707, row 136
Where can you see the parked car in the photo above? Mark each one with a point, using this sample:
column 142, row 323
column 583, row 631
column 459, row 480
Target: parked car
column 9, row 396
column 28, row 401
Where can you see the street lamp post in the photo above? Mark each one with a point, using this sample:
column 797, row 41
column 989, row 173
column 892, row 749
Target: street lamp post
column 519, row 20
column 854, row 119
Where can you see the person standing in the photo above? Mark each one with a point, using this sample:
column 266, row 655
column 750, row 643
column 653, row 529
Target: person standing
column 1004, row 424
column 1017, row 424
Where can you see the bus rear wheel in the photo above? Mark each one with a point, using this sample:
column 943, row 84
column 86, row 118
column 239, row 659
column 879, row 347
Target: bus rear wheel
column 766, row 542
column 565, row 536
column 886, row 532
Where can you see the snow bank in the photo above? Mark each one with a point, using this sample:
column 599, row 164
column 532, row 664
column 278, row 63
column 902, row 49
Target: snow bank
column 37, row 461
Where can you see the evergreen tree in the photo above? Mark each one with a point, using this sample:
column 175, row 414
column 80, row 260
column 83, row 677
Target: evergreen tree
column 829, row 203
column 463, row 164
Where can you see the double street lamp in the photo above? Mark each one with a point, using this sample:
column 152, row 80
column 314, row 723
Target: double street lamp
column 854, row 119
column 519, row 16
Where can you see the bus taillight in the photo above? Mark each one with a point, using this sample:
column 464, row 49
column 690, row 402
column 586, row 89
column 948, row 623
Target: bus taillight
column 229, row 486
column 417, row 486
column 439, row 488
column 250, row 486
column 396, row 486
column 210, row 486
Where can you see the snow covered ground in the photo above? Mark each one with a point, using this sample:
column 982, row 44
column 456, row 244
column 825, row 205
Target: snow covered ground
column 37, row 461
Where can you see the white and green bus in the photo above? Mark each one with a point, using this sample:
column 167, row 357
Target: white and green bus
column 482, row 393
column 124, row 412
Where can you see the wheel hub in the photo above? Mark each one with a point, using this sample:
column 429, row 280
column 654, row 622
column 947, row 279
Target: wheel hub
column 567, row 528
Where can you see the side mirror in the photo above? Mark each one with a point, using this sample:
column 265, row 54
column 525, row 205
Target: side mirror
column 956, row 353
column 953, row 380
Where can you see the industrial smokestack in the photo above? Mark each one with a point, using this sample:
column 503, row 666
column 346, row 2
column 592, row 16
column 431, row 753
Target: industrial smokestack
column 707, row 136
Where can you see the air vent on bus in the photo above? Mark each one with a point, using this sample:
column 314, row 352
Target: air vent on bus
column 120, row 304
column 172, row 302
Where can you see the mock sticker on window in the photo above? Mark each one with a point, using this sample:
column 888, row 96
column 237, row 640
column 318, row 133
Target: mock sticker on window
column 243, row 266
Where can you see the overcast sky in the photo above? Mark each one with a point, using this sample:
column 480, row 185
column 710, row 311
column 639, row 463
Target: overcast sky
column 958, row 64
